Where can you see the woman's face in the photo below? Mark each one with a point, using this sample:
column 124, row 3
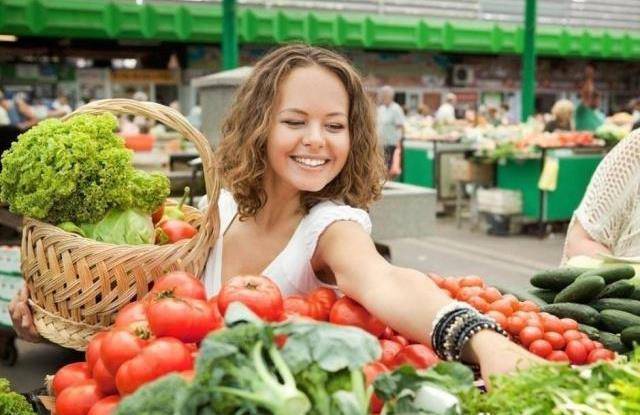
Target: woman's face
column 308, row 143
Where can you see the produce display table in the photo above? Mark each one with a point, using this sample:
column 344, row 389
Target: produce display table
column 576, row 166
column 422, row 163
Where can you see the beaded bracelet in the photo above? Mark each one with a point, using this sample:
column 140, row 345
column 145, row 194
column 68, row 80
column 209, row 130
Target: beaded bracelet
column 454, row 326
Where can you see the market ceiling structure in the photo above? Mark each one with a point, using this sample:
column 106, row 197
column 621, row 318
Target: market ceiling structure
column 566, row 27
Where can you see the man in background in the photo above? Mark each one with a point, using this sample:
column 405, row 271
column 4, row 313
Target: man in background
column 446, row 113
column 390, row 122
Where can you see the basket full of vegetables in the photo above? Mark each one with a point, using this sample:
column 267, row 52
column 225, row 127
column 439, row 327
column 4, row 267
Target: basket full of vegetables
column 89, row 241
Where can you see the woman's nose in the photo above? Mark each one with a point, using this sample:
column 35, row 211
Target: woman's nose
column 313, row 136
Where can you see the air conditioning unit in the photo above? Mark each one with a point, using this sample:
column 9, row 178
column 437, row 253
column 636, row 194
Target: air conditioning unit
column 463, row 75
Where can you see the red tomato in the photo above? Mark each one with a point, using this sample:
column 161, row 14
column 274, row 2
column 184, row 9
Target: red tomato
column 600, row 354
column 491, row 294
column 598, row 345
column 93, row 350
column 321, row 300
column 515, row 325
column 371, row 372
column 472, row 281
column 540, row 347
column 503, row 306
column 558, row 356
column 527, row 305
column 513, row 301
column 572, row 334
column 161, row 356
column 157, row 214
column 174, row 230
column 498, row 317
column 182, row 284
column 388, row 333
column 70, row 375
column 479, row 303
column 569, row 324
column 532, row 322
column 78, row 399
column 348, row 312
column 400, row 340
column 451, row 285
column 577, row 352
column 416, row 355
column 553, row 325
column 588, row 344
column 105, row 406
column 556, row 340
column 260, row 294
column 106, row 381
column 465, row 293
column 121, row 344
column 297, row 305
column 389, row 350
column 187, row 319
column 530, row 334
column 131, row 313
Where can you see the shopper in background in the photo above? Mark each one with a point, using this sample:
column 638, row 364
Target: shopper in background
column 390, row 123
column 4, row 106
column 446, row 113
column 60, row 106
column 608, row 218
column 562, row 112
column 588, row 116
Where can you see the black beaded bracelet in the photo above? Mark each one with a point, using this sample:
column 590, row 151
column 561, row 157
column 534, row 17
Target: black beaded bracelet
column 443, row 328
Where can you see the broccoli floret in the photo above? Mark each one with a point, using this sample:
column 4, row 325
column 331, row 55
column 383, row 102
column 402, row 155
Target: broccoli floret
column 12, row 403
column 264, row 388
column 156, row 398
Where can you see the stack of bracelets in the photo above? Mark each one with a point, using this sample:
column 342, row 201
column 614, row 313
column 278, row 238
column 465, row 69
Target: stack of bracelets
column 454, row 326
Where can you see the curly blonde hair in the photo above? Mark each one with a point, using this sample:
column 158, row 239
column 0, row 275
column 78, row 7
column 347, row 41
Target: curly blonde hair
column 242, row 156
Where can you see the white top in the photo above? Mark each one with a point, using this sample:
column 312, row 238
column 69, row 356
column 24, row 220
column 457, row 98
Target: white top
column 446, row 113
column 390, row 119
column 291, row 269
column 610, row 209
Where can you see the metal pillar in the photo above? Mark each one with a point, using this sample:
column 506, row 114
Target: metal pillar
column 229, row 35
column 529, row 61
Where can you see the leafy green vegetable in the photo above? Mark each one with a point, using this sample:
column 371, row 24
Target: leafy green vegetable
column 129, row 227
column 155, row 398
column 407, row 390
column 76, row 171
column 12, row 403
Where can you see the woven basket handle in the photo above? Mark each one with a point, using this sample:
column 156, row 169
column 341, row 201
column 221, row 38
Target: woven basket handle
column 171, row 118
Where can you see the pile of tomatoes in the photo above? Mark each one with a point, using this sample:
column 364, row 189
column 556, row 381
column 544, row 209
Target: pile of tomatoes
column 160, row 334
column 541, row 333
column 150, row 338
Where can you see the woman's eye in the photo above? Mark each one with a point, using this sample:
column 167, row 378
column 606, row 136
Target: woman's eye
column 336, row 127
column 293, row 123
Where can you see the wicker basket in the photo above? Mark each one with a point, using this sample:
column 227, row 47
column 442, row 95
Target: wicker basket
column 76, row 285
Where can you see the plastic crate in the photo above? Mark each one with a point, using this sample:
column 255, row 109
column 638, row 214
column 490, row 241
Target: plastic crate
column 499, row 201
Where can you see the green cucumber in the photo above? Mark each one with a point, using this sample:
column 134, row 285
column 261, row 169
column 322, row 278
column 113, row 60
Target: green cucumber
column 618, row 289
column 592, row 332
column 630, row 335
column 556, row 279
column 622, row 304
column 545, row 295
column 579, row 312
column 635, row 295
column 615, row 320
column 612, row 273
column 582, row 290
column 612, row 342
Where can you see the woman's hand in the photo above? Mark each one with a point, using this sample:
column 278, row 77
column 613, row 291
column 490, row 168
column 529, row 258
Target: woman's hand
column 22, row 318
column 496, row 354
